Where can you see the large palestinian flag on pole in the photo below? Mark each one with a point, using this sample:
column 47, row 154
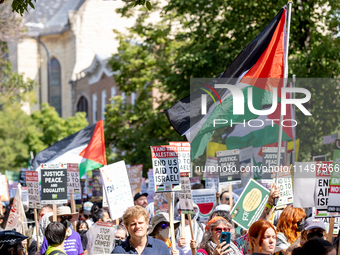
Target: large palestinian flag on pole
column 259, row 66
column 86, row 147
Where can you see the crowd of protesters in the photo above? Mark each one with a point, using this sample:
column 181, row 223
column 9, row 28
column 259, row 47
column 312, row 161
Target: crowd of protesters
column 142, row 231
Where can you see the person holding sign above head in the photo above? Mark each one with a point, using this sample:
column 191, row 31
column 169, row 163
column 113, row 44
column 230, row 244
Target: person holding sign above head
column 262, row 236
column 72, row 243
column 136, row 220
column 161, row 230
column 211, row 242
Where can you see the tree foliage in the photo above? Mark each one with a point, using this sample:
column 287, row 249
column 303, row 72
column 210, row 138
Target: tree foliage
column 200, row 39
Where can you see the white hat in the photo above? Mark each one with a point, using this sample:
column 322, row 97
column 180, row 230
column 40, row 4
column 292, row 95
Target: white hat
column 65, row 211
column 222, row 207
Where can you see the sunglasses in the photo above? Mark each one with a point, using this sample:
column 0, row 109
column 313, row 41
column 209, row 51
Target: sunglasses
column 219, row 230
column 66, row 217
column 165, row 225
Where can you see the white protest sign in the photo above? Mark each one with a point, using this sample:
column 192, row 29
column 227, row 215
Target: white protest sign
column 304, row 184
column 24, row 195
column 205, row 200
column 185, row 197
column 323, row 177
column 32, row 180
column 4, row 195
column 210, row 170
column 336, row 224
column 212, row 183
column 101, row 238
column 286, row 186
column 117, row 188
column 73, row 179
column 104, row 204
column 151, row 180
column 183, row 156
column 165, row 167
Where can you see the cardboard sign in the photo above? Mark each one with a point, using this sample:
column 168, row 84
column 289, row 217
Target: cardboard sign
column 53, row 183
column 32, row 180
column 161, row 203
column 165, row 167
column 210, row 170
column 183, row 150
column 205, row 200
column 250, row 204
column 185, row 197
column 73, row 179
column 135, row 177
column 229, row 167
column 4, row 196
column 334, row 187
column 101, row 237
column 269, row 161
column 117, row 188
column 286, row 185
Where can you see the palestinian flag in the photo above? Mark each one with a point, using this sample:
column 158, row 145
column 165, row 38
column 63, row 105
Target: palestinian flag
column 259, row 66
column 262, row 130
column 86, row 147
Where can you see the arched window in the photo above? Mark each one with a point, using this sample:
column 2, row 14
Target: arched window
column 82, row 105
column 55, row 89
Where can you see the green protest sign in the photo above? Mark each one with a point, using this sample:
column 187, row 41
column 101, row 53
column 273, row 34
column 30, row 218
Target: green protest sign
column 250, row 205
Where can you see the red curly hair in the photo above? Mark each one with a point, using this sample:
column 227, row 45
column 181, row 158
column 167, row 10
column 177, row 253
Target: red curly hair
column 287, row 222
column 259, row 228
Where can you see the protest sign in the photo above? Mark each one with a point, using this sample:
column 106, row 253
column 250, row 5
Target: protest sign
column 269, row 161
column 250, row 204
column 183, row 150
column 24, row 197
column 101, row 238
column 13, row 180
column 143, row 187
column 185, row 197
column 320, row 158
column 304, row 184
column 104, row 204
column 246, row 163
column 205, row 200
column 336, row 224
column 161, row 203
column 194, row 180
column 135, row 177
column 165, row 167
column 285, row 184
column 53, row 183
column 212, row 183
column 73, row 179
column 22, row 178
column 4, row 195
column 229, row 167
column 17, row 217
column 334, row 188
column 97, row 191
column 210, row 168
column 117, row 188
column 151, row 180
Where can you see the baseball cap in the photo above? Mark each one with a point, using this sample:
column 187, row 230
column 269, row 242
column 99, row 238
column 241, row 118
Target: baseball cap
column 10, row 238
column 139, row 194
column 311, row 223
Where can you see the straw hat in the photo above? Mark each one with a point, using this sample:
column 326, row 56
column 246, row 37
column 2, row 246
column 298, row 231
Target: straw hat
column 65, row 211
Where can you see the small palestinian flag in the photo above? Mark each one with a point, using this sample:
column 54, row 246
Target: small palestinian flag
column 86, row 147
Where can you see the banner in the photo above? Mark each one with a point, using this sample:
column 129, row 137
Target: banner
column 101, row 237
column 117, row 188
column 165, row 167
column 334, row 188
column 185, row 197
column 53, row 183
column 135, row 178
column 16, row 214
column 250, row 204
column 73, row 179
column 229, row 167
column 4, row 195
column 286, row 185
column 269, row 160
column 205, row 199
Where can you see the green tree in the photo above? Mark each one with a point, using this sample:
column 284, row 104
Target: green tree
column 200, row 39
column 50, row 128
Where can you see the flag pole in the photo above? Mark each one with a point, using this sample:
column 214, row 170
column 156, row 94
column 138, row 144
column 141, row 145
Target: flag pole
column 294, row 130
column 285, row 79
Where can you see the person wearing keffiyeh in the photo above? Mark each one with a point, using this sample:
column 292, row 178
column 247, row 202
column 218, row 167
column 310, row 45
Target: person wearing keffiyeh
column 210, row 244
